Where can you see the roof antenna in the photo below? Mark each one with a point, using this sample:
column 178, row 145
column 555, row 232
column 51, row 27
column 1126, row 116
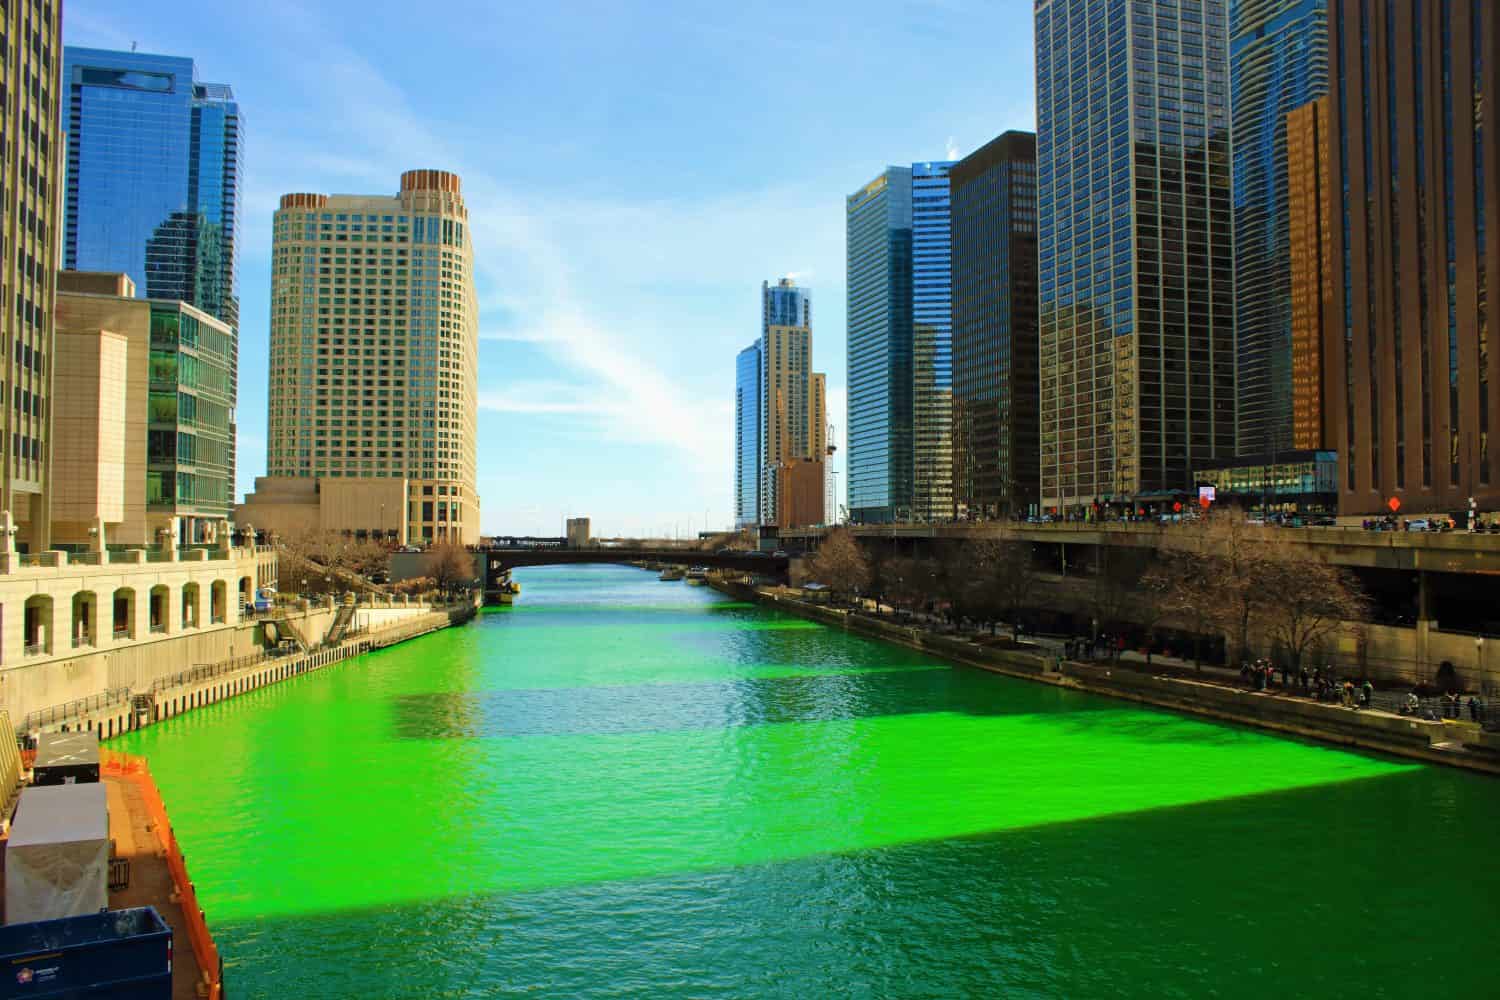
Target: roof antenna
column 132, row 46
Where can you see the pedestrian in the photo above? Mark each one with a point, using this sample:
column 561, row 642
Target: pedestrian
column 1473, row 709
column 1366, row 693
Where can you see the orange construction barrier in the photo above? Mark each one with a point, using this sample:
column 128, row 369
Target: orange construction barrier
column 133, row 768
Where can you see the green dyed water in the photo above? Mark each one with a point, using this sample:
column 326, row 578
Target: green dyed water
column 621, row 787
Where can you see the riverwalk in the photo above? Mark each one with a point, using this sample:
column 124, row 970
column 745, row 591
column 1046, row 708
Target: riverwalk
column 1212, row 694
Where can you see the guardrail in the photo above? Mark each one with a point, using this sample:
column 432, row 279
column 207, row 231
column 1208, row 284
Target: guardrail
column 204, row 671
column 80, row 706
column 128, row 767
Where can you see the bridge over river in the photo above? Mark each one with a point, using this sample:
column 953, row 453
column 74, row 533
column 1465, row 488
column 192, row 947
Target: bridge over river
column 495, row 563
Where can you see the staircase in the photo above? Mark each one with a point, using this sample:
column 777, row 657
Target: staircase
column 287, row 627
column 341, row 622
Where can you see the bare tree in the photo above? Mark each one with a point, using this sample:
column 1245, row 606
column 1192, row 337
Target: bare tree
column 908, row 583
column 841, row 564
column 1304, row 599
column 451, row 567
column 1231, row 556
column 1015, row 577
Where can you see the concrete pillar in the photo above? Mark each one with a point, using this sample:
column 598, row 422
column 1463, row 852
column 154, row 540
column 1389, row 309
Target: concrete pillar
column 97, row 541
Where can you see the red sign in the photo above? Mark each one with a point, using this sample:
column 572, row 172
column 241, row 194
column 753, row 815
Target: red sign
column 1204, row 502
column 1177, row 507
column 1394, row 503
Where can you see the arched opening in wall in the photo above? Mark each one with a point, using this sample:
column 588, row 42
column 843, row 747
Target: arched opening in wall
column 124, row 613
column 160, row 607
column 85, row 619
column 190, row 605
column 38, row 625
column 218, row 603
column 247, row 596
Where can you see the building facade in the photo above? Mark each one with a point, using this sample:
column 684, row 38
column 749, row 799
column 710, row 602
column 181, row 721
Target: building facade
column 1136, row 304
column 932, row 342
column 374, row 347
column 168, row 461
column 788, row 411
column 878, row 244
column 1310, row 189
column 747, row 427
column 155, row 176
column 1407, row 340
column 1278, row 56
column 995, row 449
column 33, row 152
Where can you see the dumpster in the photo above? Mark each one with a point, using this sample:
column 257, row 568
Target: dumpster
column 121, row 954
column 66, row 758
column 57, row 858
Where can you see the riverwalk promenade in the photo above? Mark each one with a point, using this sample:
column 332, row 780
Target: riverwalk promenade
column 1212, row 693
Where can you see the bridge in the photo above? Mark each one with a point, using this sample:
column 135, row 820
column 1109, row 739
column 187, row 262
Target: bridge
column 495, row 563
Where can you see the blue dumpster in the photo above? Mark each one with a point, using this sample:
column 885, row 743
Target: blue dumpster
column 120, row 954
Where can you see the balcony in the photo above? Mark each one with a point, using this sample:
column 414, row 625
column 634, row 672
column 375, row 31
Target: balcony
column 36, row 648
column 158, row 627
column 122, row 632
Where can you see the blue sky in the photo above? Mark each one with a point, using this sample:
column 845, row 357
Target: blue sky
column 632, row 171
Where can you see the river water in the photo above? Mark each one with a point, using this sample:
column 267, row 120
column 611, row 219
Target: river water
column 627, row 788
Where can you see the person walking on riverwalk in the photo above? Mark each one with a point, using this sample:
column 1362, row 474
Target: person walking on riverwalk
column 1366, row 693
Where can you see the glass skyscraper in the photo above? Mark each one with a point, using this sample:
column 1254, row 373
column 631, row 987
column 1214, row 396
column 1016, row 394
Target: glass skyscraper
column 995, row 329
column 155, row 176
column 878, row 236
column 932, row 342
column 747, row 425
column 1278, row 54
column 1136, row 301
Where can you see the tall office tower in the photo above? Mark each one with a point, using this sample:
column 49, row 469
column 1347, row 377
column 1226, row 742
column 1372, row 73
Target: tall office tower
column 1278, row 61
column 789, row 411
column 1310, row 188
column 374, row 349
column 1407, row 339
column 747, row 427
column 932, row 343
column 995, row 452
column 878, row 246
column 32, row 148
column 1133, row 190
column 155, row 176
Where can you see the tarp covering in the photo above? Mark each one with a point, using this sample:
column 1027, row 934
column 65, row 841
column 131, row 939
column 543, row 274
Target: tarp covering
column 53, row 749
column 57, row 858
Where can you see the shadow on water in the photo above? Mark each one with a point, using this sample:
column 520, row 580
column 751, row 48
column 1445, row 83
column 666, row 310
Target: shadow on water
column 1291, row 893
column 757, row 701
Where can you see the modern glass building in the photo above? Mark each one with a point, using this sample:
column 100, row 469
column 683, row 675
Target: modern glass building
column 1406, row 343
column 995, row 457
column 190, row 441
column 1136, row 300
column 747, row 424
column 155, row 176
column 1278, row 58
column 932, row 343
column 878, row 246
column 784, row 304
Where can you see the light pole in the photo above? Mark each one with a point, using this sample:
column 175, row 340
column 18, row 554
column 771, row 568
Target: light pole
column 1484, row 687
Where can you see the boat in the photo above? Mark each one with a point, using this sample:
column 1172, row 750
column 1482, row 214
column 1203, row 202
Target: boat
column 671, row 573
column 697, row 576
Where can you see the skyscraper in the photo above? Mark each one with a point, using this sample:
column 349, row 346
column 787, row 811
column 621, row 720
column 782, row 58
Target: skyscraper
column 786, row 388
column 878, row 237
column 995, row 457
column 747, row 426
column 1413, row 83
column 1310, row 190
column 932, row 342
column 1278, row 54
column 155, row 176
column 374, row 348
column 31, row 146
column 1136, row 306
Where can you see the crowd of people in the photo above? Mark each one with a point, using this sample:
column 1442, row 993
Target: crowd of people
column 1320, row 683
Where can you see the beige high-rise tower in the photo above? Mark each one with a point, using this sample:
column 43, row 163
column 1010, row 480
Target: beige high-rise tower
column 35, row 160
column 374, row 358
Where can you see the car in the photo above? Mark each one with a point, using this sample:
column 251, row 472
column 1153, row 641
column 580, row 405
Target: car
column 779, row 554
column 1419, row 524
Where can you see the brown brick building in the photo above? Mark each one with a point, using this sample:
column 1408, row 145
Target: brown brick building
column 1406, row 345
column 1310, row 189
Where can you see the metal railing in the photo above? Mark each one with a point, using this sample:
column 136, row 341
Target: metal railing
column 79, row 706
column 35, row 648
column 207, row 671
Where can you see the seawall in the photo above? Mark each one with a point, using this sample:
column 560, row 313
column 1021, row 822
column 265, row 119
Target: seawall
column 1432, row 742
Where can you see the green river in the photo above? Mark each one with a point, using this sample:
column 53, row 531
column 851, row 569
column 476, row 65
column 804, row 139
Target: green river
column 627, row 788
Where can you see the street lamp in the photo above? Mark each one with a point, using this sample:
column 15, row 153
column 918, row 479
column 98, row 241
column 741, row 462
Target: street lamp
column 1484, row 687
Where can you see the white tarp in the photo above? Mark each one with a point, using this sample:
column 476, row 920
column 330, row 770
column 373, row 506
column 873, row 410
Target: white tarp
column 57, row 858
